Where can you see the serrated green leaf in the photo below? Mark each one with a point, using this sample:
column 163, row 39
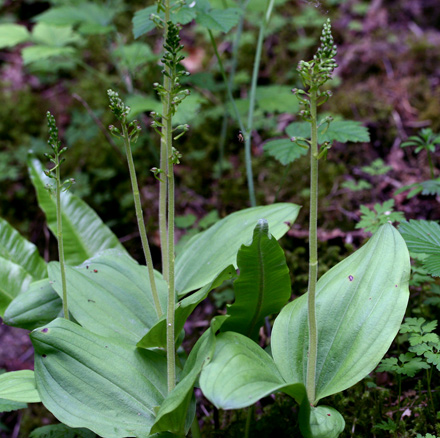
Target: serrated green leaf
column 13, row 281
column 12, row 34
column 222, row 20
column 387, row 365
column 211, row 251
column 432, row 265
column 17, row 249
column 134, row 55
column 38, row 53
column 263, row 286
column 276, row 99
column 431, row 187
column 433, row 358
column 139, row 104
column 342, row 131
column 411, row 365
column 96, row 16
column 110, row 295
column 420, row 349
column 98, row 383
column 421, row 236
column 284, row 150
column 37, row 305
column 141, row 21
column 47, row 35
column 61, row 16
column 19, row 386
column 84, row 233
column 360, row 304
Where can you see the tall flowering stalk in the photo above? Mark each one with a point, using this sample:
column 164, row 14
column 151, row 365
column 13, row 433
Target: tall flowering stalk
column 129, row 134
column 54, row 173
column 171, row 94
column 314, row 74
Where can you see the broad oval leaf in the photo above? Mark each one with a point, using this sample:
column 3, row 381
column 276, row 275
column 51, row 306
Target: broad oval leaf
column 360, row 304
column 37, row 305
column 211, row 251
column 101, row 384
column 13, row 280
column 19, row 386
column 110, row 294
column 263, row 286
column 9, row 405
column 84, row 233
column 241, row 373
column 320, row 422
column 17, row 249
column 156, row 336
column 172, row 415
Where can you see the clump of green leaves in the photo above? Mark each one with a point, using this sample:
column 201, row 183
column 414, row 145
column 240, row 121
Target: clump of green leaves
column 371, row 220
column 356, row 186
column 376, row 168
column 423, row 341
column 424, row 353
column 427, row 141
column 423, row 237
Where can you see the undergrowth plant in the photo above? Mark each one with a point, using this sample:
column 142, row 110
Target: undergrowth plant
column 115, row 368
column 426, row 141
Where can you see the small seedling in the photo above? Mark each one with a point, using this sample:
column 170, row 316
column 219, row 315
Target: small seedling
column 371, row 220
column 427, row 141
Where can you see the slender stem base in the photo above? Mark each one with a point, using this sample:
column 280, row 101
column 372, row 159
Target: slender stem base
column 60, row 241
column 313, row 253
column 140, row 220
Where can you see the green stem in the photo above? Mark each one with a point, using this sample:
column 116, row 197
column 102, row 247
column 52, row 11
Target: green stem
column 398, row 399
column 171, row 352
column 428, row 378
column 60, row 238
column 140, row 219
column 249, row 418
column 225, row 80
column 313, row 252
column 248, row 134
column 163, row 185
column 167, row 148
column 230, row 81
column 195, row 429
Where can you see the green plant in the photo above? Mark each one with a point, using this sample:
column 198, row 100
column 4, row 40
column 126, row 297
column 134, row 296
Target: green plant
column 241, row 372
column 424, row 353
column 377, row 167
column 427, row 141
column 423, row 238
column 106, row 369
column 356, row 186
column 371, row 220
column 56, row 159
